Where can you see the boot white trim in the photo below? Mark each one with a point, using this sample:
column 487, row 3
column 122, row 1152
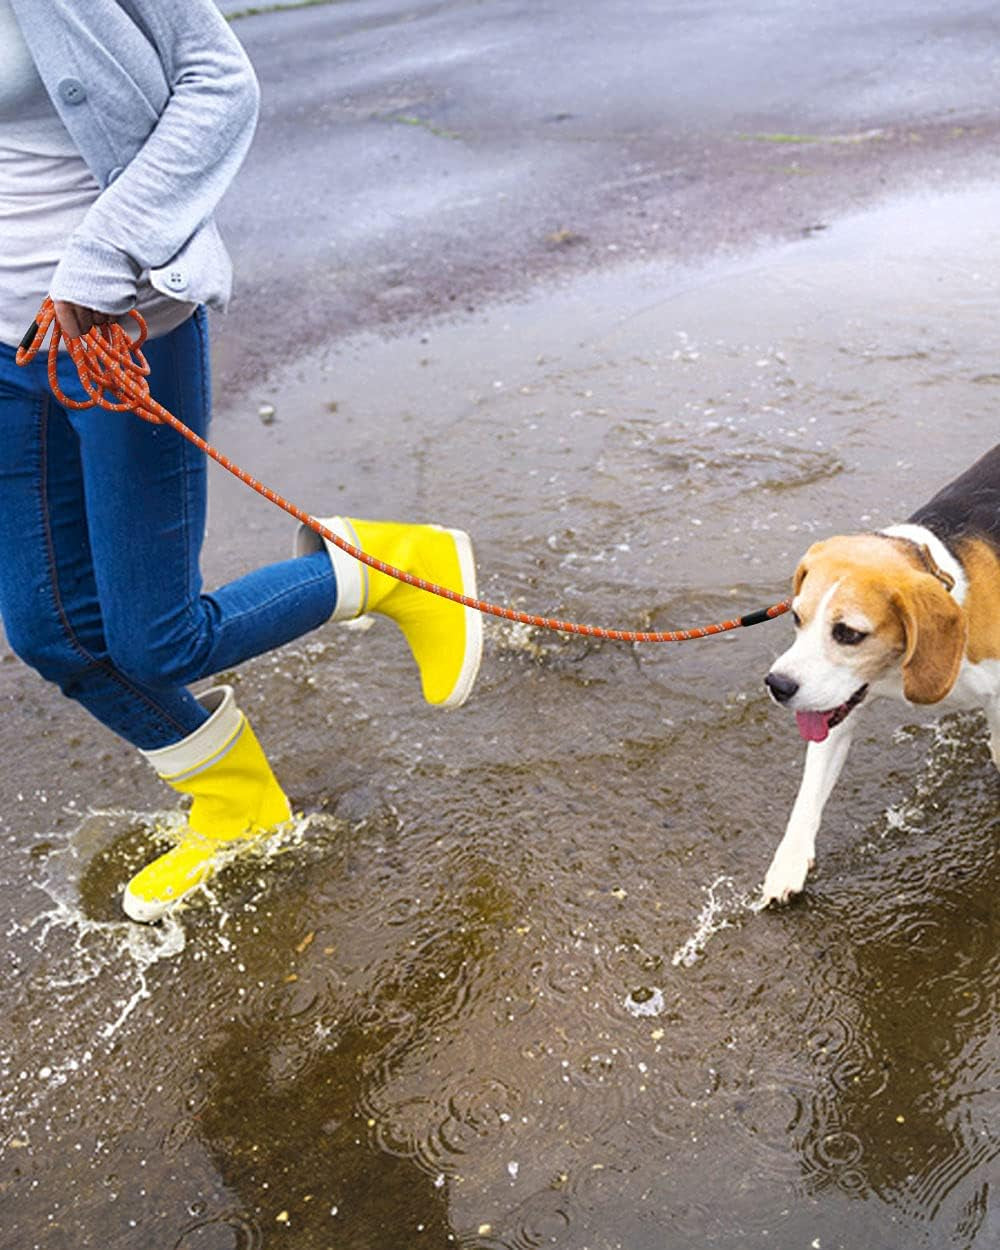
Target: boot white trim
column 351, row 574
column 473, row 623
column 208, row 743
column 145, row 910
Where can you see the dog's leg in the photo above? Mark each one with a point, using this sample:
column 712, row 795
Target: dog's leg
column 796, row 851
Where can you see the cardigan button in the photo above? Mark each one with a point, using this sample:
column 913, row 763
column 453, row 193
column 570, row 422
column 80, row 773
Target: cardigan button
column 72, row 91
column 176, row 279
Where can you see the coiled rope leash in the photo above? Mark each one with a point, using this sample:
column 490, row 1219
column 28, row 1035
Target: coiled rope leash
column 113, row 373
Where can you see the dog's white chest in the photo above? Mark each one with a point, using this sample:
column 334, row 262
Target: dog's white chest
column 976, row 685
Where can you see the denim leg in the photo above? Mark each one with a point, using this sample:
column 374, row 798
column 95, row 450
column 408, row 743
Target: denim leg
column 48, row 595
column 145, row 491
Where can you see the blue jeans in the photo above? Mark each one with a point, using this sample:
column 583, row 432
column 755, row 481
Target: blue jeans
column 102, row 517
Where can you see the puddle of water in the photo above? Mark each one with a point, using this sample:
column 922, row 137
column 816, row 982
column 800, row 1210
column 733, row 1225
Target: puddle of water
column 508, row 988
column 723, row 902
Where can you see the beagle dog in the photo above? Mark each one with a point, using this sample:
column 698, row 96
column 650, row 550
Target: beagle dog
column 911, row 613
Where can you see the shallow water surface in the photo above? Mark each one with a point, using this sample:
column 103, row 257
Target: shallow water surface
column 504, row 985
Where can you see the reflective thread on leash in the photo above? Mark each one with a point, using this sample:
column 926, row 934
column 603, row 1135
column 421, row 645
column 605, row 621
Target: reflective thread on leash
column 113, row 372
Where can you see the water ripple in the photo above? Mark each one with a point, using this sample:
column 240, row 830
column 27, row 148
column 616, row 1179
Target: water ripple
column 441, row 1133
column 229, row 1231
column 845, row 1056
column 770, row 1114
column 542, row 1220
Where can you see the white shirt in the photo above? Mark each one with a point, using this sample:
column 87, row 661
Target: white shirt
column 45, row 192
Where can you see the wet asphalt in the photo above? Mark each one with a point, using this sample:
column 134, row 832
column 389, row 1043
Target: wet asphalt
column 423, row 158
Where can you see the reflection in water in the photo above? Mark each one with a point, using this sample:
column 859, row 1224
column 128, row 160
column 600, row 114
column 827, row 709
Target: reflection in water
column 293, row 1117
column 906, row 1046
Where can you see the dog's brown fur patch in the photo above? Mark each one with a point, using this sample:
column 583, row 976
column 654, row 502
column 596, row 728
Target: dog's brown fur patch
column 982, row 601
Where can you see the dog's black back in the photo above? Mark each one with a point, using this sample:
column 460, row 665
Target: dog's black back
column 968, row 507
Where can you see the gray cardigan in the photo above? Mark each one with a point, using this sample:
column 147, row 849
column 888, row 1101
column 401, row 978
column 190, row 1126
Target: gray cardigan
column 162, row 102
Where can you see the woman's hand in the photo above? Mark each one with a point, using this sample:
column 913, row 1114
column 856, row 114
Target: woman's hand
column 75, row 320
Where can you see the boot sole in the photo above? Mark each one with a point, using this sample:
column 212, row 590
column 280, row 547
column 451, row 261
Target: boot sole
column 149, row 911
column 473, row 622
column 142, row 911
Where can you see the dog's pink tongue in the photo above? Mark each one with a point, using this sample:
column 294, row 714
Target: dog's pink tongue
column 813, row 726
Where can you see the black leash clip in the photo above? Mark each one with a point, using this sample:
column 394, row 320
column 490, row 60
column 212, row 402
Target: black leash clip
column 29, row 338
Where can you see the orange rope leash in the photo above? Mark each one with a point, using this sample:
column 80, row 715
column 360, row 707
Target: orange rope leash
column 113, row 373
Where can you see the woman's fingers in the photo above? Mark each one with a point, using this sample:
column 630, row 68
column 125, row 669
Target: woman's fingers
column 75, row 319
column 68, row 318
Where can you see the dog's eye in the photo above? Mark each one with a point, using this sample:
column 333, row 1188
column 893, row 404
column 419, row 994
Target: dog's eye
column 847, row 637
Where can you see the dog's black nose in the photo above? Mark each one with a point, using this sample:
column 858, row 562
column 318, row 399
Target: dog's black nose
column 781, row 687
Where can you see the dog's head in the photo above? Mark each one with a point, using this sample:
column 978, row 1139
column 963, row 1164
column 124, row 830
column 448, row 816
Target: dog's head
column 865, row 606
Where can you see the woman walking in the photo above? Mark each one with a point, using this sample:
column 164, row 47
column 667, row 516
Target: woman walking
column 122, row 123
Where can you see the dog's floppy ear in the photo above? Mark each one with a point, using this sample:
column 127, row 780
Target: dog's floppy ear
column 800, row 573
column 934, row 632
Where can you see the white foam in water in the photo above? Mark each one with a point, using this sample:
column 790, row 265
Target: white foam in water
column 948, row 738
column 723, row 902
column 516, row 637
column 87, row 984
column 646, row 1002
column 95, row 973
column 98, row 945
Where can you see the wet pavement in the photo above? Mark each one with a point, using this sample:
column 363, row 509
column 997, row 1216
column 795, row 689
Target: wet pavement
column 421, row 156
column 503, row 986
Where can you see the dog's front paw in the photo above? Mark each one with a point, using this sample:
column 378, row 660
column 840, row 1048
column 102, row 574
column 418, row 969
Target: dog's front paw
column 786, row 876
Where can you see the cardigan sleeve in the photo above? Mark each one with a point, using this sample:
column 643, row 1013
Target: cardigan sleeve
column 172, row 185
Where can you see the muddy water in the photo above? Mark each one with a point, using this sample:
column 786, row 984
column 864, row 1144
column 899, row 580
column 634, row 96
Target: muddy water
column 504, row 985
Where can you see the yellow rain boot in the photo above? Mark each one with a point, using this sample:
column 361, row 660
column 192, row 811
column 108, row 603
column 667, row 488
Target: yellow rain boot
column 235, row 798
column 446, row 638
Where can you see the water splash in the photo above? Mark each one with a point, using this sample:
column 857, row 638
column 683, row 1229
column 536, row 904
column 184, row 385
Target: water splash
column 723, row 902
column 98, row 946
column 95, row 972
